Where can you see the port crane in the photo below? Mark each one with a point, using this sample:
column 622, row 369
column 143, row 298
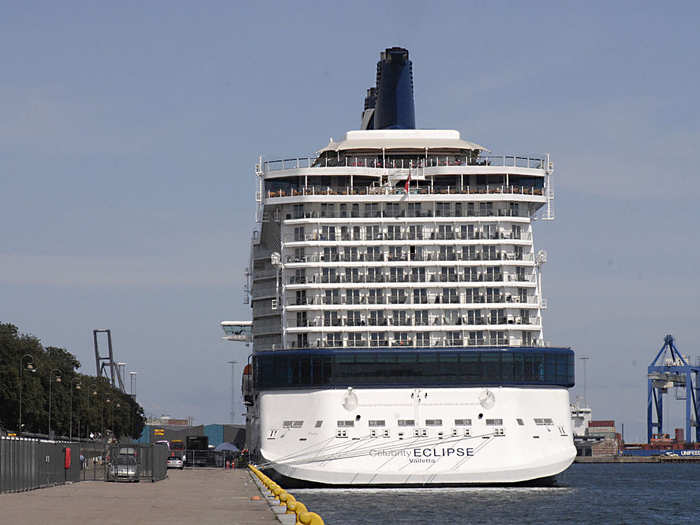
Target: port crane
column 671, row 369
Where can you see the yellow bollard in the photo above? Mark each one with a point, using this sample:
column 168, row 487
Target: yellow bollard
column 303, row 516
column 299, row 509
column 284, row 496
column 289, row 502
column 310, row 518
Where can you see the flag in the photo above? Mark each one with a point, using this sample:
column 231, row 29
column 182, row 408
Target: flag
column 407, row 181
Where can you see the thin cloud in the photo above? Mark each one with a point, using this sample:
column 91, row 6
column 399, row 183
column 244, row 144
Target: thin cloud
column 149, row 271
column 48, row 121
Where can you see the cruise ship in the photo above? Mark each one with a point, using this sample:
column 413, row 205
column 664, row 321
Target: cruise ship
column 397, row 308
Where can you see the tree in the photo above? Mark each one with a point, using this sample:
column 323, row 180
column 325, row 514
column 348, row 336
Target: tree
column 96, row 405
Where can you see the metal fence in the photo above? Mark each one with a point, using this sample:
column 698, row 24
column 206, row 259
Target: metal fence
column 208, row 458
column 150, row 459
column 154, row 462
column 27, row 464
column 93, row 456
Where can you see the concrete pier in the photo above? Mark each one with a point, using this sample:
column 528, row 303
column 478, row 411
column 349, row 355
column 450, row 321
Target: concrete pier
column 638, row 459
column 616, row 459
column 198, row 497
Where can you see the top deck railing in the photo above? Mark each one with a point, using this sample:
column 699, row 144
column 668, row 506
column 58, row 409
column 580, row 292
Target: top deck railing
column 430, row 161
column 422, row 190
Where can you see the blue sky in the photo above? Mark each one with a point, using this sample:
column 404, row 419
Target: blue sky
column 129, row 132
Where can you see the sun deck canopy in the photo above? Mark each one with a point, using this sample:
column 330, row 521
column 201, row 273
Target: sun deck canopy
column 402, row 139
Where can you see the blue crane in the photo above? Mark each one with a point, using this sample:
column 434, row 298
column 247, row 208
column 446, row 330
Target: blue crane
column 670, row 369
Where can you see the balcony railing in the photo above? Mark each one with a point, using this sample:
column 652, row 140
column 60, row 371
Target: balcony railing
column 497, row 299
column 407, row 278
column 421, row 342
column 455, row 236
column 404, row 213
column 308, row 191
column 435, row 257
column 407, row 162
column 461, row 323
column 383, row 302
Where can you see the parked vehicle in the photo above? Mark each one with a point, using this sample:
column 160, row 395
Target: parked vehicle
column 176, row 456
column 124, row 467
column 175, row 461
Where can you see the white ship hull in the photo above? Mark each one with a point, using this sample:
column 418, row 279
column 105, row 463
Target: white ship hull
column 510, row 452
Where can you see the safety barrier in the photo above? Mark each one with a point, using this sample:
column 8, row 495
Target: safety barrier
column 27, row 464
column 303, row 516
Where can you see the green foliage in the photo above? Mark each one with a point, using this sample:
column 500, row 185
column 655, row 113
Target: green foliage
column 94, row 405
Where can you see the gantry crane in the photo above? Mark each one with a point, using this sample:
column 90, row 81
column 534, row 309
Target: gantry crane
column 671, row 369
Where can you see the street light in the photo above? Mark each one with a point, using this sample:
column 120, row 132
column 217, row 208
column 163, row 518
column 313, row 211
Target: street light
column 102, row 411
column 132, row 416
column 111, row 416
column 234, row 407
column 32, row 369
column 91, row 392
column 585, row 397
column 51, row 380
column 77, row 387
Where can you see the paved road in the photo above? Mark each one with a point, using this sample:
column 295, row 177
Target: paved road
column 198, row 497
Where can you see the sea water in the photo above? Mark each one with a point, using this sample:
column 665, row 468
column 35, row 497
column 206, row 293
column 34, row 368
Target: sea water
column 586, row 493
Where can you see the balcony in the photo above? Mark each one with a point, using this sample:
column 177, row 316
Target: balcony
column 436, row 324
column 311, row 191
column 407, row 162
column 412, row 236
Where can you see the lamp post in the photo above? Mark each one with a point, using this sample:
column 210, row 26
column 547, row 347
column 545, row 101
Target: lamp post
column 111, row 416
column 585, row 397
column 102, row 412
column 234, row 406
column 30, row 366
column 76, row 387
column 57, row 377
column 132, row 409
column 91, row 392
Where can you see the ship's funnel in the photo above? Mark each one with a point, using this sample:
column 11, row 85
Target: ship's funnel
column 390, row 106
column 368, row 113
